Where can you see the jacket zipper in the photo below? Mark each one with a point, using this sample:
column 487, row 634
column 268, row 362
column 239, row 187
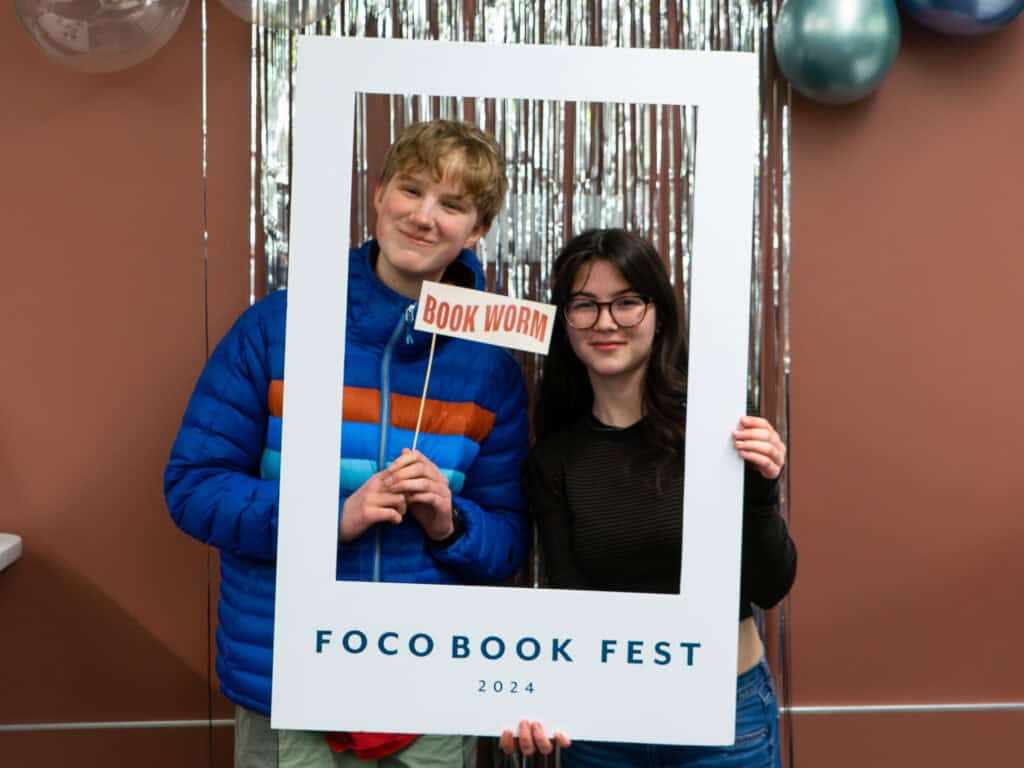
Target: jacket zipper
column 385, row 409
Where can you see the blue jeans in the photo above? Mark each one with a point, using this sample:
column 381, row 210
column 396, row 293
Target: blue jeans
column 757, row 737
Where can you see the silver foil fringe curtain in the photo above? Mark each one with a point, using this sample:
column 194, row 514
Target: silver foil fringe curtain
column 571, row 165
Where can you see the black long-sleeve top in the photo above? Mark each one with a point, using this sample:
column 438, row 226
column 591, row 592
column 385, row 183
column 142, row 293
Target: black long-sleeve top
column 610, row 519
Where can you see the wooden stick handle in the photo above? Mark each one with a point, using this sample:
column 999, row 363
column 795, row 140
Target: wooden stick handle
column 426, row 383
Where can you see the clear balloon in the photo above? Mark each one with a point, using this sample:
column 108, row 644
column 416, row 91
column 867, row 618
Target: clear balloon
column 836, row 51
column 101, row 35
column 963, row 17
column 280, row 14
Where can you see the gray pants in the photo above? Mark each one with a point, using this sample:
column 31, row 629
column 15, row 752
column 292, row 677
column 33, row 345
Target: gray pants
column 255, row 742
column 257, row 745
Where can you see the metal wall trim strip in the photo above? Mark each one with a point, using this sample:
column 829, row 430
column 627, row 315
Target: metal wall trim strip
column 858, row 709
column 113, row 725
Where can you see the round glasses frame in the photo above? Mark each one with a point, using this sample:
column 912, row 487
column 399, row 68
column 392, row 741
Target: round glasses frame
column 622, row 303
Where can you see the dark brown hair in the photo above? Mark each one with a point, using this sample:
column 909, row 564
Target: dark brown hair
column 565, row 394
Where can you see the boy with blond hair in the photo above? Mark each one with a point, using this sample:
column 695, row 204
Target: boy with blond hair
column 451, row 512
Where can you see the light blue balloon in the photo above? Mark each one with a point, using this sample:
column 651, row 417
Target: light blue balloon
column 963, row 17
column 836, row 51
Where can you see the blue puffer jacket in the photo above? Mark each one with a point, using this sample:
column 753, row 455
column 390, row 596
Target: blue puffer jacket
column 221, row 483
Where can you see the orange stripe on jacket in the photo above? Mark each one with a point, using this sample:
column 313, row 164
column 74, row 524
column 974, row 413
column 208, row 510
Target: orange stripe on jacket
column 441, row 417
column 362, row 405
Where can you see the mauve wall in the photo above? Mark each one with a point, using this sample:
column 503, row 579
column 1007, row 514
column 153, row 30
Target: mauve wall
column 907, row 312
column 907, row 301
column 105, row 616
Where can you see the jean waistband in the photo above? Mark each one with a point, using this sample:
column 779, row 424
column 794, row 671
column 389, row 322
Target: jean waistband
column 756, row 676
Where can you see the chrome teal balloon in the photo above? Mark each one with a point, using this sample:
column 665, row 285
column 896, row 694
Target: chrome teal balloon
column 836, row 51
column 963, row 17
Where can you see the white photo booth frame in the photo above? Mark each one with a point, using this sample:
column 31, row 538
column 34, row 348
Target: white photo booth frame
column 633, row 694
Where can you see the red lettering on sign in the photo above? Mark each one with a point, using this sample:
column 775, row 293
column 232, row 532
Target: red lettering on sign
column 429, row 308
column 492, row 316
column 457, row 312
column 442, row 315
column 469, row 324
column 539, row 326
column 510, row 320
column 523, row 326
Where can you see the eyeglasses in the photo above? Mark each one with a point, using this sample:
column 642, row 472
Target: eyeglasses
column 626, row 311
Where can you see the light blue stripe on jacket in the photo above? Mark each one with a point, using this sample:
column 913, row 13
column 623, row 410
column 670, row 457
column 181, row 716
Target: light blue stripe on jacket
column 354, row 472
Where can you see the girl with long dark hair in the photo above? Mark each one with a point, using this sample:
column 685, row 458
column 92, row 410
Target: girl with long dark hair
column 605, row 479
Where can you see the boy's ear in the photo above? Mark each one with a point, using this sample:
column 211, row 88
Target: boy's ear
column 474, row 237
column 378, row 196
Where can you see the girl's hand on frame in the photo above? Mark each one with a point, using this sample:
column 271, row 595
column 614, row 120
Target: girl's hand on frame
column 531, row 738
column 758, row 443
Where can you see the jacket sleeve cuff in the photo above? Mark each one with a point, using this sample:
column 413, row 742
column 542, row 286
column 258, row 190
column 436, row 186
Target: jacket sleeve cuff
column 455, row 535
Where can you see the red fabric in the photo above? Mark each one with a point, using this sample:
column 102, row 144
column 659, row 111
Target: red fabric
column 369, row 746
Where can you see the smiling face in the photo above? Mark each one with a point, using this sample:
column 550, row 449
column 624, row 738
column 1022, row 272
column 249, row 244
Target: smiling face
column 422, row 224
column 609, row 350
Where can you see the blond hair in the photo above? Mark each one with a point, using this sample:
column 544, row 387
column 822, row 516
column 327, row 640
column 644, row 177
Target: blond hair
column 448, row 147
